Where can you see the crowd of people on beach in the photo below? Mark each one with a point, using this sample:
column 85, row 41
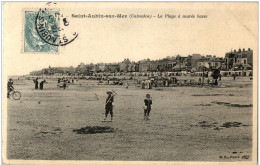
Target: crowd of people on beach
column 148, row 83
column 65, row 82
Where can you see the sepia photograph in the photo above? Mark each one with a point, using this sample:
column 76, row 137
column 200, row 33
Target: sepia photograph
column 129, row 83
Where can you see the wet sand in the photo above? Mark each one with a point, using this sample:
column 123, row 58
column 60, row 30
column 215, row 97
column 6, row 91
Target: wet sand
column 186, row 123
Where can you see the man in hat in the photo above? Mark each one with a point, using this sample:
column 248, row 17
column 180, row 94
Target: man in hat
column 147, row 108
column 109, row 105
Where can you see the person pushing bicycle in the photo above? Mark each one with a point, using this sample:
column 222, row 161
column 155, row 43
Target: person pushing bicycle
column 10, row 87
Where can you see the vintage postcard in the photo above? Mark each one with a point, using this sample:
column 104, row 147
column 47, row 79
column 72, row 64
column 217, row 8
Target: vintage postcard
column 130, row 83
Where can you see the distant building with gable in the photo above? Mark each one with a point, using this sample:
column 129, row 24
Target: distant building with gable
column 241, row 59
column 123, row 66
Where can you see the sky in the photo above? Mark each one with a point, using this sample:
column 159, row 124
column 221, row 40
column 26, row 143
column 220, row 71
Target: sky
column 227, row 27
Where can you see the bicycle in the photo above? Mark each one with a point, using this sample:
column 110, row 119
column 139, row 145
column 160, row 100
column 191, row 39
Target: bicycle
column 15, row 94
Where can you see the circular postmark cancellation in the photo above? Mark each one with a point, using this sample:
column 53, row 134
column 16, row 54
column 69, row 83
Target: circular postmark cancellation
column 53, row 31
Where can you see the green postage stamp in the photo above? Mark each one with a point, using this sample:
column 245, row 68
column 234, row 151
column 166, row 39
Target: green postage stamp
column 41, row 31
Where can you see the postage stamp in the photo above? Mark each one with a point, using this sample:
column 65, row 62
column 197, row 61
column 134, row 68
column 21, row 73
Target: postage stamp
column 44, row 33
column 33, row 42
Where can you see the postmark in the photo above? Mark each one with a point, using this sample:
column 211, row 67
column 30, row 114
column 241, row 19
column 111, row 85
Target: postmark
column 53, row 28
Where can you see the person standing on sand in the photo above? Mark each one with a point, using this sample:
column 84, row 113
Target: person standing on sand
column 36, row 83
column 41, row 84
column 64, row 84
column 147, row 108
column 143, row 84
column 155, row 83
column 109, row 105
column 147, row 84
column 234, row 76
column 166, row 83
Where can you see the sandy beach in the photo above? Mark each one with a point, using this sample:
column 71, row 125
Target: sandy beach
column 187, row 123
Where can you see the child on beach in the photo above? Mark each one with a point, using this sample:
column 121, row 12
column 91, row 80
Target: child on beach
column 109, row 105
column 147, row 108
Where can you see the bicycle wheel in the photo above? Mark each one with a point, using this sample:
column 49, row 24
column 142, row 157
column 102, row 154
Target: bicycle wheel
column 16, row 95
